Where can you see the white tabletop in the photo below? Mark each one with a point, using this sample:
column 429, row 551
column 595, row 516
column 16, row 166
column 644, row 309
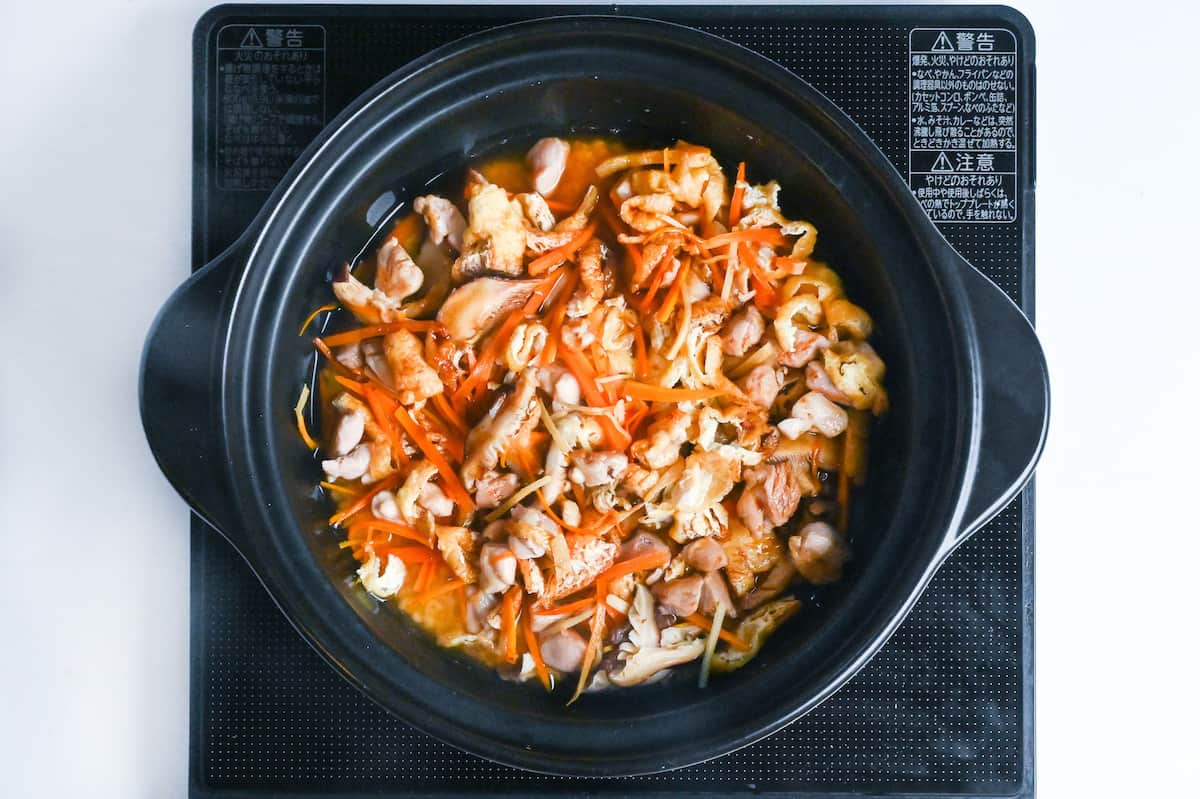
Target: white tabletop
column 95, row 157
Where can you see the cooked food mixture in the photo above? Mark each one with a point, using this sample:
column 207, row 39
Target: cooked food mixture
column 599, row 415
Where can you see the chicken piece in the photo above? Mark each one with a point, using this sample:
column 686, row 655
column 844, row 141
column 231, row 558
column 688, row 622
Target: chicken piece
column 349, row 355
column 857, row 372
column 443, row 219
column 643, row 543
column 408, row 496
column 495, row 487
column 760, row 208
column 680, row 597
column 817, row 379
column 818, row 552
column 814, row 413
column 705, row 554
column 412, row 378
column 369, row 306
column 348, row 432
column 666, row 434
column 594, row 280
column 748, row 555
column 547, row 159
column 742, row 332
column 476, row 307
column 382, row 583
column 540, row 242
column 434, row 500
column 588, row 557
column 563, row 650
column 383, row 506
column 536, row 211
column 379, row 446
column 495, row 236
column 772, row 494
column 738, row 431
column 377, row 362
column 592, row 469
column 645, row 212
column 639, row 481
column 510, row 418
column 805, row 346
column 762, row 384
column 497, row 568
column 560, row 384
column 350, row 466
column 457, row 545
column 396, row 274
column 696, row 499
column 714, row 590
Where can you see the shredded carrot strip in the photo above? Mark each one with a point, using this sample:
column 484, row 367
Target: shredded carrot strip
column 561, row 254
column 765, row 295
column 508, row 622
column 594, row 642
column 300, row 423
column 386, row 484
column 535, row 651
column 725, row 635
column 650, row 560
column 381, row 406
column 651, row 393
column 454, row 486
column 308, row 320
column 554, row 516
column 558, row 206
column 438, row 590
column 406, row 554
column 570, row 607
column 735, row 202
column 759, row 235
column 392, row 528
column 349, row 385
column 371, row 331
column 582, row 370
column 557, row 316
column 669, row 302
column 335, row 364
column 656, row 279
column 422, row 576
column 335, row 488
column 448, row 413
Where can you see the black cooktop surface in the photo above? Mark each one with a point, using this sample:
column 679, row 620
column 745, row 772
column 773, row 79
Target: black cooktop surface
column 946, row 708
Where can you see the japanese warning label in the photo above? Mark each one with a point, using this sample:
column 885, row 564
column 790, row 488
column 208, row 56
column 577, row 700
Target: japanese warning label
column 962, row 134
column 270, row 101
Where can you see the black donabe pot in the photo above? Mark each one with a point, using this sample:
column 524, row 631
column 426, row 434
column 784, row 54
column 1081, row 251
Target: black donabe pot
column 966, row 376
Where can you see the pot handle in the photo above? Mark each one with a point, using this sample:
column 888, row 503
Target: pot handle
column 1014, row 394
column 179, row 390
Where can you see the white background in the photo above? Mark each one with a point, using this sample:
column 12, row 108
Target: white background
column 94, row 233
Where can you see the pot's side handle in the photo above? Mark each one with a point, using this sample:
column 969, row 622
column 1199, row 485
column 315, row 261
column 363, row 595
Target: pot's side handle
column 1015, row 399
column 179, row 390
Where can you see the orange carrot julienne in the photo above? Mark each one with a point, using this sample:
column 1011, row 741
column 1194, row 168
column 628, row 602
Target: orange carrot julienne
column 759, row 235
column 335, row 488
column 561, row 254
column 371, row 331
column 644, row 562
column 735, row 201
column 454, row 486
column 349, row 385
column 392, row 528
column 382, row 406
column 364, row 500
column 651, row 393
column 765, row 295
column 448, row 413
column 557, row 316
column 668, row 306
column 406, row 554
column 508, row 622
column 583, row 372
column 570, row 607
column 725, row 635
column 535, row 652
column 554, row 517
column 334, row 363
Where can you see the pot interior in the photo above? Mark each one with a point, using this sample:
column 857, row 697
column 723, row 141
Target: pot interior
column 647, row 95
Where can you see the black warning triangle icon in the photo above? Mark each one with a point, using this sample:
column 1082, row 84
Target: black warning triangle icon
column 942, row 164
column 251, row 39
column 940, row 45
